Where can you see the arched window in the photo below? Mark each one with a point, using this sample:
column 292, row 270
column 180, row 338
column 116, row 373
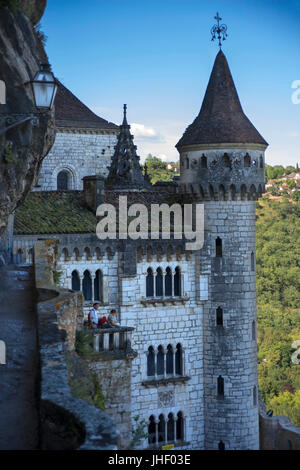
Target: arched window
column 254, row 396
column 203, row 161
column 170, row 428
column 161, row 428
column 243, row 192
column 169, row 360
column 151, row 430
column 187, row 163
column 149, row 283
column 219, row 313
column 168, row 282
column 98, row 286
column 226, row 161
column 233, row 192
column 75, row 281
column 159, row 283
column 63, row 180
column 177, row 282
column 87, row 285
column 220, row 386
column 65, row 254
column 222, row 193
column 261, row 162
column 252, row 262
column 178, row 360
column 247, row 161
column 211, row 192
column 150, row 362
column 160, row 360
column 76, row 254
column 179, row 427
column 219, row 247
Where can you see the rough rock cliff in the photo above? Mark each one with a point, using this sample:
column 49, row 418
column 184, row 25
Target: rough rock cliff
column 22, row 148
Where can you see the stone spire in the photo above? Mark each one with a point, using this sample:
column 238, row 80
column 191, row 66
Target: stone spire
column 125, row 171
column 221, row 118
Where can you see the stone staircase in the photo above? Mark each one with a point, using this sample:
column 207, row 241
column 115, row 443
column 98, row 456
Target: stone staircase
column 19, row 376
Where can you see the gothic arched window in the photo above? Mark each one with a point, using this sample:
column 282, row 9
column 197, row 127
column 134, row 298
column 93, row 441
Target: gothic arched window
column 87, row 285
column 151, row 430
column 161, row 428
column 178, row 360
column 159, row 283
column 75, row 281
column 169, row 360
column 98, row 286
column 150, row 362
column 203, row 161
column 168, row 283
column 170, row 428
column 179, row 427
column 160, row 360
column 177, row 282
column 247, row 161
column 63, row 180
column 149, row 283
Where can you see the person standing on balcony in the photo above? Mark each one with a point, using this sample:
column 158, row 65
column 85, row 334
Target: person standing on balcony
column 93, row 316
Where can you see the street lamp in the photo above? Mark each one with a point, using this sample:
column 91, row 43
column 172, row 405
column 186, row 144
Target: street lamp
column 44, row 89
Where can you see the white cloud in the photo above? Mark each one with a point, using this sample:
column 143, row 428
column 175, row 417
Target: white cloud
column 142, row 132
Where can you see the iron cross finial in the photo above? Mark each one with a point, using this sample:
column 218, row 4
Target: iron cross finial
column 125, row 109
column 219, row 31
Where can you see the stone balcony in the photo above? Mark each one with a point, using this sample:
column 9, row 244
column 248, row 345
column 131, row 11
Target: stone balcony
column 114, row 340
column 149, row 301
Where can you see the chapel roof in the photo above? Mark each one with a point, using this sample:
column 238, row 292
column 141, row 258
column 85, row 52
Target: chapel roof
column 221, row 118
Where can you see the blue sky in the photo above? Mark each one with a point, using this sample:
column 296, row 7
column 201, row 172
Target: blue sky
column 157, row 55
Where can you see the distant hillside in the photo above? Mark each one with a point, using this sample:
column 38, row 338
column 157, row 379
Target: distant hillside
column 278, row 303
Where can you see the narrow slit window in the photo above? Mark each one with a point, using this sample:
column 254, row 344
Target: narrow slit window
column 219, row 313
column 219, row 250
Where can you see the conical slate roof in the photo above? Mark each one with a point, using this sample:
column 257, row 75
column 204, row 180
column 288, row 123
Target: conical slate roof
column 125, row 171
column 221, row 118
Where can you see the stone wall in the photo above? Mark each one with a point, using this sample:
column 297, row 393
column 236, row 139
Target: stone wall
column 81, row 153
column 65, row 422
column 277, row 432
column 115, row 378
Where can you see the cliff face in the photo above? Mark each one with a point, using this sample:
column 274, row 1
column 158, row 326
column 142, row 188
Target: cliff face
column 22, row 148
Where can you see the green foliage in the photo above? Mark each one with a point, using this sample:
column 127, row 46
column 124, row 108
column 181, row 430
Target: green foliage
column 138, row 433
column 42, row 36
column 57, row 277
column 98, row 398
column 278, row 294
column 277, row 171
column 287, row 404
column 12, row 5
column 84, row 342
column 157, row 170
column 10, row 155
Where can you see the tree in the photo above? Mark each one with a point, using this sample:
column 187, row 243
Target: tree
column 157, row 170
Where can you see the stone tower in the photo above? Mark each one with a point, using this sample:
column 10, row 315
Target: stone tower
column 222, row 163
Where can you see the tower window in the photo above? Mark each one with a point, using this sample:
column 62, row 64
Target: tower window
column 151, row 362
column 219, row 247
column 152, row 430
column 98, row 286
column 164, row 362
column 160, row 361
column 177, row 282
column 178, row 360
column 168, row 283
column 253, row 330
column 170, row 427
column 219, row 313
column 179, row 427
column 220, row 386
column 261, row 162
column 169, row 360
column 187, row 163
column 203, row 161
column 254, row 396
column 164, row 430
column 221, row 445
column 247, row 161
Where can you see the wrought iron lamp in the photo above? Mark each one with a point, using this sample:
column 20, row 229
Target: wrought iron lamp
column 44, row 89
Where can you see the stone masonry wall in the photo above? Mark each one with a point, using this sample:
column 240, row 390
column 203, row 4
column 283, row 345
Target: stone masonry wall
column 115, row 379
column 230, row 351
column 81, row 154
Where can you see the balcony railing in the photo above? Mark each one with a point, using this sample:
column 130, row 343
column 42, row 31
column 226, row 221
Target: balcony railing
column 113, row 339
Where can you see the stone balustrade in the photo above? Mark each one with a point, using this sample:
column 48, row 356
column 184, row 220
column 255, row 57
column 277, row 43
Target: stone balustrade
column 113, row 339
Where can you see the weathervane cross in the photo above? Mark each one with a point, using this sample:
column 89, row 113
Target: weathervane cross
column 219, row 31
